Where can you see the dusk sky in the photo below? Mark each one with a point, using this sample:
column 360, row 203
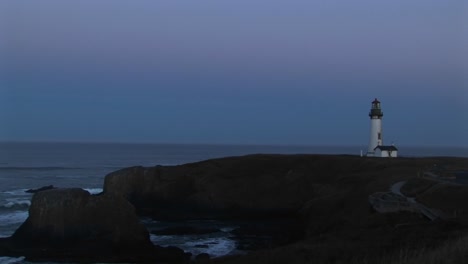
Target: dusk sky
column 235, row 72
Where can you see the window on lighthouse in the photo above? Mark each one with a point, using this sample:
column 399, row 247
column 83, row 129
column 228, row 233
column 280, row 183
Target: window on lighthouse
column 379, row 136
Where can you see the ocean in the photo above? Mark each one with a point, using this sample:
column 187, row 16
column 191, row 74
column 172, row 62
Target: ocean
column 29, row 165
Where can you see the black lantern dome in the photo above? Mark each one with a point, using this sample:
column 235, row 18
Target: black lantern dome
column 376, row 111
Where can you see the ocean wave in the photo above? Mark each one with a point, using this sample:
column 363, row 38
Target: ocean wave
column 15, row 217
column 214, row 246
column 17, row 192
column 16, row 204
column 19, row 168
column 11, row 260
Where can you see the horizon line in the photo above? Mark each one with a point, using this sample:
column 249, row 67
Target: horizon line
column 216, row 144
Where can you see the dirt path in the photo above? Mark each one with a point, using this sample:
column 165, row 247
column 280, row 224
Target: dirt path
column 430, row 213
column 396, row 188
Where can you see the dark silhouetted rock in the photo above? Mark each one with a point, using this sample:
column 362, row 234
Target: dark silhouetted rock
column 202, row 258
column 245, row 187
column 252, row 186
column 44, row 188
column 72, row 225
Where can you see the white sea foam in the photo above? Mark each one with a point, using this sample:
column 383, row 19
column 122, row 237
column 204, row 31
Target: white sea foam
column 17, row 192
column 228, row 229
column 214, row 246
column 94, row 190
column 14, row 217
column 10, row 260
column 16, row 203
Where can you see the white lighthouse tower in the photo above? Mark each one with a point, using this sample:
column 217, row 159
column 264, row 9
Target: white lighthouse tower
column 375, row 115
column 376, row 147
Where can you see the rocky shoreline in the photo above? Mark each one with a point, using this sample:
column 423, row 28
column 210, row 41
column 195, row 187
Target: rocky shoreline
column 317, row 204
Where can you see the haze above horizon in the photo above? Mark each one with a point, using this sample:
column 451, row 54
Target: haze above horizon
column 243, row 72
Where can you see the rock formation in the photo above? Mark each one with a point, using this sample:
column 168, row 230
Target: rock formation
column 71, row 225
column 255, row 185
column 225, row 187
column 44, row 188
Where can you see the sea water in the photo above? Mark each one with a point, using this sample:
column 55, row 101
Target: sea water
column 29, row 165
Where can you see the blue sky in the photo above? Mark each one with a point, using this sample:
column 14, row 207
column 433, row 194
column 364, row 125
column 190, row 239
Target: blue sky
column 239, row 72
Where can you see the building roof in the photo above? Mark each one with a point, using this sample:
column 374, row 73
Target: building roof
column 392, row 148
column 376, row 101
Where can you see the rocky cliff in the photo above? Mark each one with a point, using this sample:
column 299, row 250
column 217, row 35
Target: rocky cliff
column 325, row 195
column 250, row 185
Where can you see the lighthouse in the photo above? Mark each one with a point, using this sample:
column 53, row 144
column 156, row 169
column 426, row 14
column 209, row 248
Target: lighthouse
column 375, row 115
column 376, row 147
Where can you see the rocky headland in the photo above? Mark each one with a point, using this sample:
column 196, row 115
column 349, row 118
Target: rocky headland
column 315, row 207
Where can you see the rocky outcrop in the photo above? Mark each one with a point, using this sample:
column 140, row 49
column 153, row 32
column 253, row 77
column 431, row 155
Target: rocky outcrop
column 44, row 188
column 72, row 225
column 73, row 215
column 255, row 185
column 153, row 190
column 236, row 186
